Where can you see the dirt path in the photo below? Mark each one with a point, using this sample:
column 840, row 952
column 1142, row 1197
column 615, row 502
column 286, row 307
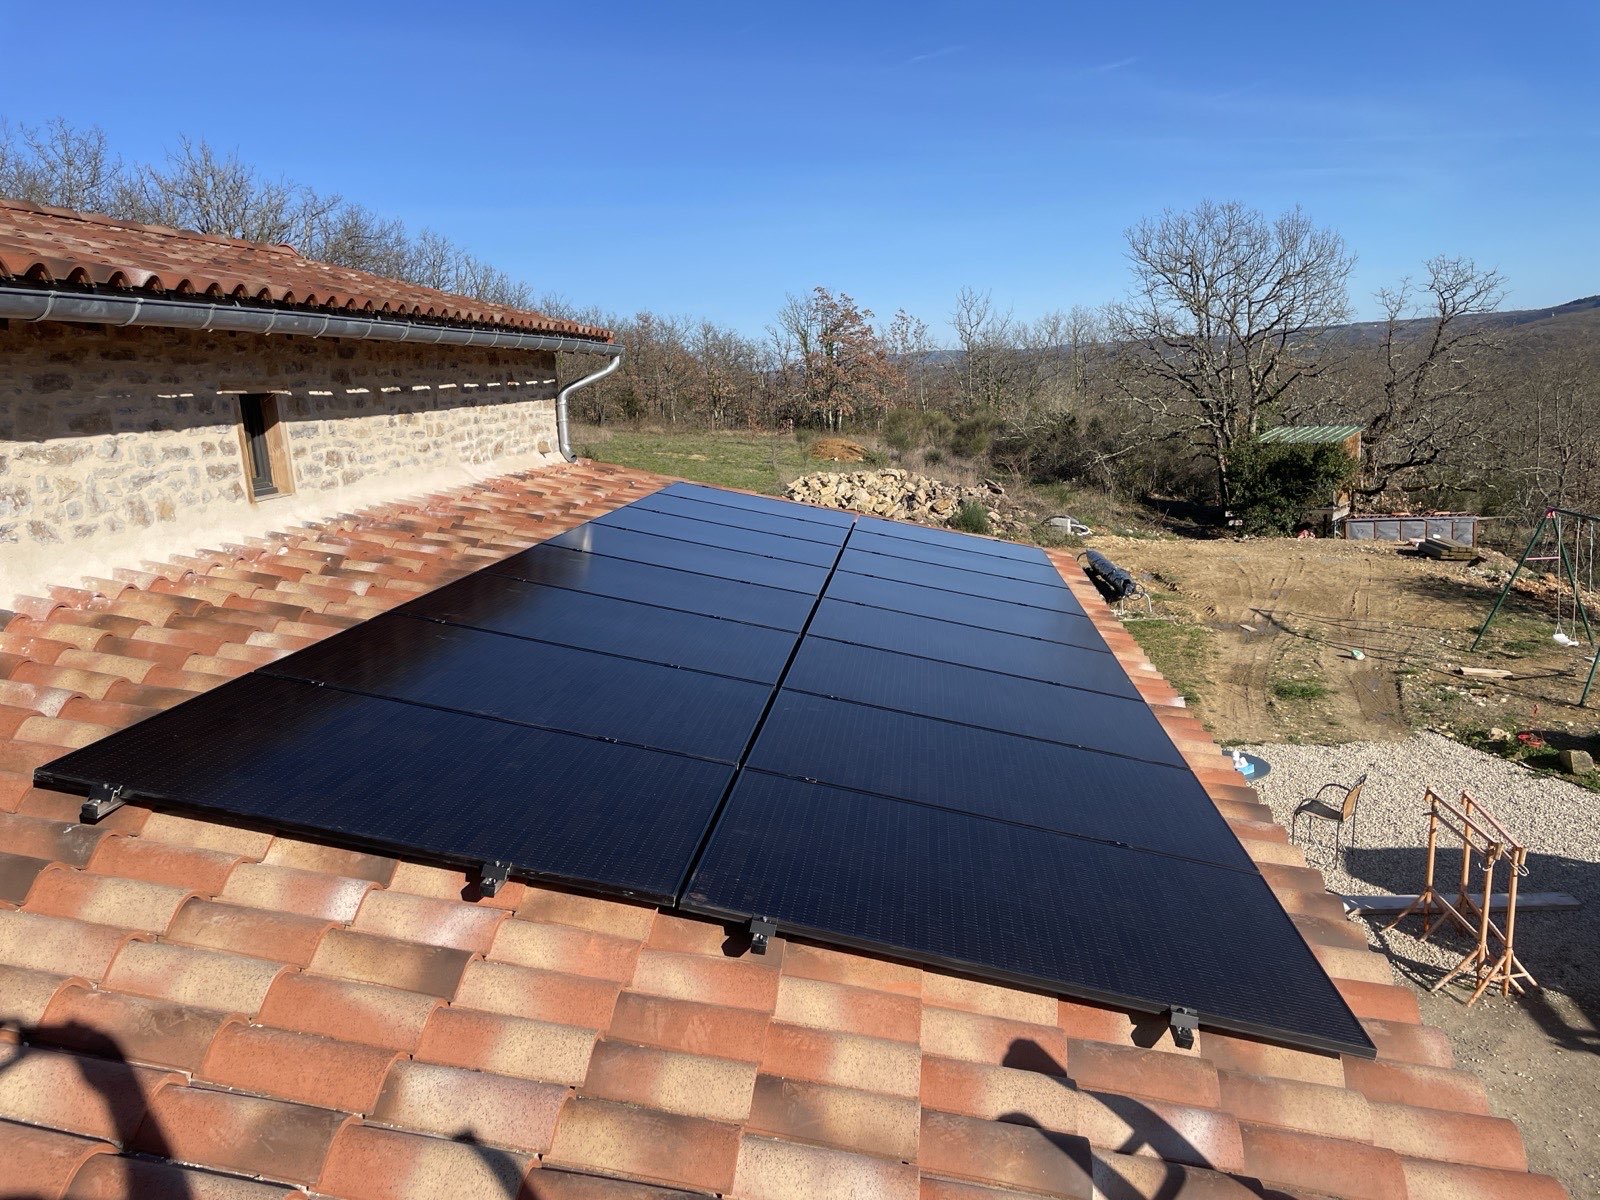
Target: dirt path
column 1284, row 617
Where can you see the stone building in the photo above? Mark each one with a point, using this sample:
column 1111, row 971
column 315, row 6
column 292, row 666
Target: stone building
column 161, row 389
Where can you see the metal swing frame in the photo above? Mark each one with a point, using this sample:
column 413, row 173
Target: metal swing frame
column 1557, row 517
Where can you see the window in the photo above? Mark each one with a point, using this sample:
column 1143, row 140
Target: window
column 266, row 457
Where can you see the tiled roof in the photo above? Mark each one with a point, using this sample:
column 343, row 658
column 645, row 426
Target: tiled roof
column 192, row 1008
column 46, row 246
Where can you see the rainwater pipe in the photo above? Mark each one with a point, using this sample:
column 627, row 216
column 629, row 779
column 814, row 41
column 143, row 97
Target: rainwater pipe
column 45, row 304
column 563, row 430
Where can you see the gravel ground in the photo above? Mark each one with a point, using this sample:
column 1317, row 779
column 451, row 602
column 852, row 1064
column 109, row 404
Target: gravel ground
column 1539, row 1053
column 1559, row 823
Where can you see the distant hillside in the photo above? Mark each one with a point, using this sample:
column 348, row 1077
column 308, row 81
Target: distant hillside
column 1574, row 318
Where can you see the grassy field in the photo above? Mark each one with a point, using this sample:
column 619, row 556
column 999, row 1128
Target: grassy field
column 756, row 462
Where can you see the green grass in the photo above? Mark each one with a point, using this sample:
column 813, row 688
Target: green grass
column 1182, row 653
column 1542, row 760
column 1299, row 689
column 756, row 462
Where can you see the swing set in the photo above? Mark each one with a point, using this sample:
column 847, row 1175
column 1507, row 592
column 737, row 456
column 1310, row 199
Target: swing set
column 1578, row 570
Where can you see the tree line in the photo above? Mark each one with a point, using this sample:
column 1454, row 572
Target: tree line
column 1232, row 321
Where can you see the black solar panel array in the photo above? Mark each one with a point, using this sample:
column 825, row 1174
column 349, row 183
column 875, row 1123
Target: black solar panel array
column 887, row 736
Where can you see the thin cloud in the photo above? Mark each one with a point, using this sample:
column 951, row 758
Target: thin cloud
column 943, row 52
column 1107, row 68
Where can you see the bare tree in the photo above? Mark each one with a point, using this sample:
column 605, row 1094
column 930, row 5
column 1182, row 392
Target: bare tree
column 1227, row 315
column 987, row 338
column 58, row 165
column 1430, row 360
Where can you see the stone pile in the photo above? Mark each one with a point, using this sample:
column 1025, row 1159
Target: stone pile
column 900, row 495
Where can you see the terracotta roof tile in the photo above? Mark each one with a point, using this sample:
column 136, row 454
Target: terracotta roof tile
column 58, row 945
column 118, row 1177
column 183, row 867
column 1157, row 1074
column 40, row 1163
column 541, row 995
column 1337, row 1165
column 143, row 1030
column 200, row 978
column 313, row 856
column 179, row 830
column 773, row 1169
column 56, row 841
column 694, row 1085
column 689, row 1026
column 848, row 1009
column 106, row 900
column 249, row 1135
column 362, row 1013
column 953, row 1034
column 282, row 937
column 420, row 919
column 1006, row 1154
column 309, row 893
column 540, row 1050
column 565, row 948
column 642, row 1144
column 96, row 1097
column 867, row 1122
column 368, row 1163
column 1290, row 1104
column 827, row 965
column 446, row 883
column 1263, row 1058
column 842, row 1059
column 1452, row 1181
column 454, row 1102
column 993, row 1093
column 303, row 1067
column 367, row 958
column 736, row 983
column 613, row 917
column 1421, row 1045
column 1465, row 1138
column 17, row 875
column 1420, row 1087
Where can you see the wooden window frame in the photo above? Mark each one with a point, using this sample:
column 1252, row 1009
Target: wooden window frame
column 274, row 441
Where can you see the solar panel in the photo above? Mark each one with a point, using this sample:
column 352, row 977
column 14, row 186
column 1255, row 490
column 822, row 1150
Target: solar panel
column 1104, row 923
column 650, row 583
column 411, row 780
column 649, row 632
column 536, row 683
column 740, row 518
column 1042, row 784
column 760, row 504
column 970, row 696
column 1006, row 653
column 962, row 609
column 884, row 735
column 707, row 533
column 954, row 579
column 1039, row 570
column 943, row 537
column 611, row 542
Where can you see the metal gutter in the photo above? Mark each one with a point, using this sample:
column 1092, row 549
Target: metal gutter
column 47, row 304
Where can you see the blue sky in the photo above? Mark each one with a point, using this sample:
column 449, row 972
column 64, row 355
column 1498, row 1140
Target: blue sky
column 707, row 159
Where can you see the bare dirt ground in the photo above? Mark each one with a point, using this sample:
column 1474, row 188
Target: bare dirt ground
column 1280, row 619
column 1284, row 616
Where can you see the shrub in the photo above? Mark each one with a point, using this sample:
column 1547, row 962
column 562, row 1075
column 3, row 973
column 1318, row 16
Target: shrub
column 971, row 517
column 970, row 437
column 902, row 429
column 933, row 456
column 1274, row 484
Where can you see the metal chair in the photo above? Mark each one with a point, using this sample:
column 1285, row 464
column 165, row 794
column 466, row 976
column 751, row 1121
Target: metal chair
column 1341, row 814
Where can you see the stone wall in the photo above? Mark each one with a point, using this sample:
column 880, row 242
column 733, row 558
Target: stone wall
column 118, row 445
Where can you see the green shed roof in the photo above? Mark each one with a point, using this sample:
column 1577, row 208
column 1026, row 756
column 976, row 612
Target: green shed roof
column 1311, row 433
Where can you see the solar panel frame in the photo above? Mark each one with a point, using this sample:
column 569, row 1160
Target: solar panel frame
column 959, row 608
column 1040, row 571
column 648, row 632
column 608, row 541
column 458, row 669
column 1067, row 789
column 651, row 583
column 739, row 518
column 1178, row 933
column 971, row 543
column 1002, row 653
column 578, row 800
column 761, row 504
column 955, row 579
column 725, row 537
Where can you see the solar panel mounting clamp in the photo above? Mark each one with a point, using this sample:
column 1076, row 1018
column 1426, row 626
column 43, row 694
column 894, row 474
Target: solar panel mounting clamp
column 1183, row 1021
column 492, row 877
column 103, row 798
column 762, row 931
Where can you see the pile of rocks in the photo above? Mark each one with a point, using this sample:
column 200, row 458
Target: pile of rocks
column 903, row 496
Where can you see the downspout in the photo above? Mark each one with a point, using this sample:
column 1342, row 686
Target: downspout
column 563, row 429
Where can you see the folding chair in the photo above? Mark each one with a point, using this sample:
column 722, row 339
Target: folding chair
column 1341, row 813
